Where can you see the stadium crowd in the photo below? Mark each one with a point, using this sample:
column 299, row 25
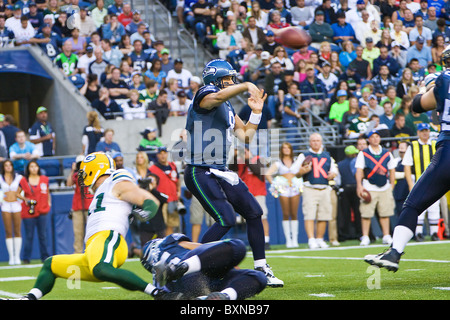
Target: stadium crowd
column 361, row 71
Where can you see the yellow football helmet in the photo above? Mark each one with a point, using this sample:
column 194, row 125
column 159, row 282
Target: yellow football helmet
column 93, row 166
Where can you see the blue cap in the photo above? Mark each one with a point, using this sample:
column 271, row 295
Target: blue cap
column 270, row 33
column 342, row 93
column 369, row 134
column 423, row 126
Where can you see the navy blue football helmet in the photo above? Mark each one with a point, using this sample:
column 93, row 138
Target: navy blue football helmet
column 215, row 70
column 446, row 57
column 150, row 255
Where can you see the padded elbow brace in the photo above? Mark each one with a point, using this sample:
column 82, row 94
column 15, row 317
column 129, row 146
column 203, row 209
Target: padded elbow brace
column 417, row 105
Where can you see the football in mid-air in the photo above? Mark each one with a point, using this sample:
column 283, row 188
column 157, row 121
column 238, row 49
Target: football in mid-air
column 307, row 160
column 294, row 38
column 366, row 196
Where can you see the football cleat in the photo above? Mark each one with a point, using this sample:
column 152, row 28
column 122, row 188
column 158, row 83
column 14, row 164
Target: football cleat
column 272, row 281
column 170, row 272
column 388, row 259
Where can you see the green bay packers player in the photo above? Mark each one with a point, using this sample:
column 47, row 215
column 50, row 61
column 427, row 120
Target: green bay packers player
column 115, row 193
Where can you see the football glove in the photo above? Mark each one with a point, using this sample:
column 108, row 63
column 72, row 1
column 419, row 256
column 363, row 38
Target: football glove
column 146, row 212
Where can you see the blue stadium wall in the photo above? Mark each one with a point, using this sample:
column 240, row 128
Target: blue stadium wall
column 60, row 230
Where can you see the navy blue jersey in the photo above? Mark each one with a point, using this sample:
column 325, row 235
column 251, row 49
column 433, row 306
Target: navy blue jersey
column 6, row 37
column 210, row 131
column 442, row 95
column 51, row 48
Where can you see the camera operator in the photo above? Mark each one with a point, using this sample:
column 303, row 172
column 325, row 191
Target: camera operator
column 155, row 226
column 80, row 205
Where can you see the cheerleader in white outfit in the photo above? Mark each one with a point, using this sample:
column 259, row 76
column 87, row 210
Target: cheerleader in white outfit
column 287, row 187
column 11, row 210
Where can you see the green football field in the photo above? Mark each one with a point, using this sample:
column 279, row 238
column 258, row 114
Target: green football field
column 326, row 274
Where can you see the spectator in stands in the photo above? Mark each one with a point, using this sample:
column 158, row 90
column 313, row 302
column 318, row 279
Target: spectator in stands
column 398, row 54
column 342, row 30
column 302, row 16
column 229, row 40
column 111, row 54
column 118, row 89
column 314, row 92
column 139, row 34
column 22, row 151
column 270, row 44
column 9, row 130
column 385, row 59
column 60, row 26
column 80, row 205
column 108, row 145
column 78, row 42
column 420, row 30
column 358, row 126
column 85, row 60
column 180, row 105
column 169, row 184
column 5, row 33
column 194, row 85
column 330, row 15
column 116, row 8
column 113, row 31
column 35, row 17
column 99, row 65
column 320, row 30
column 420, row 52
column 23, row 33
column 348, row 53
column 107, row 107
column 259, row 75
column 408, row 21
column 98, row 13
column 13, row 23
column 35, row 187
column 374, row 107
column 91, row 88
column 384, row 39
column 155, row 73
column 150, row 93
column 182, row 75
column 67, row 61
column 126, row 16
column 399, row 130
column 361, row 65
column 253, row 32
column 280, row 55
column 150, row 141
column 388, row 117
column 412, row 119
column 136, row 20
column 329, row 79
column 159, row 109
column 397, row 34
column 87, row 24
column 352, row 78
column 382, row 81
column 379, row 183
column 370, row 52
column 431, row 21
column 367, row 29
column 272, row 82
column 133, row 108
column 42, row 134
column 352, row 113
column 338, row 108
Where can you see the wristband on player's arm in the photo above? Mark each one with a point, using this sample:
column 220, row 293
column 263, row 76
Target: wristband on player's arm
column 417, row 105
column 151, row 207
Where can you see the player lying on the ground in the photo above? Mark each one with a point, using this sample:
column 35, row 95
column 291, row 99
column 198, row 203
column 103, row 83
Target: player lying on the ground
column 204, row 271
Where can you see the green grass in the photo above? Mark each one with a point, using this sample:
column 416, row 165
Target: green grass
column 327, row 274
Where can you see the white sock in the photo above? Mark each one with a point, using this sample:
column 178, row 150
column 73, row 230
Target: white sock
column 419, row 229
column 231, row 293
column 266, row 239
column 149, row 289
column 401, row 237
column 17, row 248
column 260, row 263
column 10, row 248
column 36, row 292
column 433, row 229
column 194, row 264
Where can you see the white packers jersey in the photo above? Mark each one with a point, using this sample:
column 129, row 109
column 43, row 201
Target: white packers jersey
column 106, row 212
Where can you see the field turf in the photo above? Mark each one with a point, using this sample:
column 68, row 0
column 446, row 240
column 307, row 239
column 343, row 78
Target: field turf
column 326, row 274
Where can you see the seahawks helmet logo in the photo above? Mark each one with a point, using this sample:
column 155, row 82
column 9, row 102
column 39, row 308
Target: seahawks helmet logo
column 209, row 71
